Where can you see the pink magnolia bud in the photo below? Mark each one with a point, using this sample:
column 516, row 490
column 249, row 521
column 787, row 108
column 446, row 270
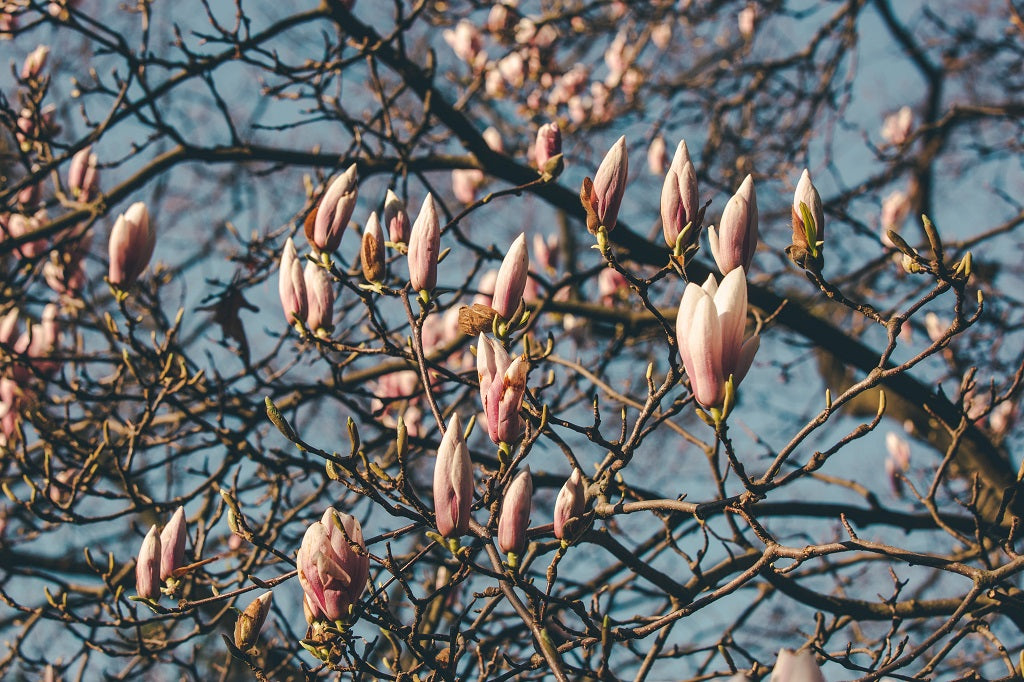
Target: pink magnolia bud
column 465, row 182
column 19, row 225
column 895, row 209
column 65, row 271
column 734, row 243
column 508, row 288
column 515, row 513
column 796, row 667
column 896, row 128
column 493, row 139
column 545, row 252
column 371, row 252
column 898, row 460
column 8, row 327
column 147, row 567
column 131, row 245
column 504, row 399
column 291, row 285
column 602, row 197
column 657, row 155
column 34, row 63
column 396, row 219
column 570, row 503
column 29, row 195
column 43, row 341
column 709, row 329
column 83, row 175
column 548, row 145
column 61, row 489
column 612, row 286
column 250, row 621
column 172, row 544
column 806, row 196
column 333, row 565
column 335, row 210
column 453, row 482
column 465, row 41
column 746, row 19
column 679, row 199
column 424, row 247
column 319, row 299
column 491, row 362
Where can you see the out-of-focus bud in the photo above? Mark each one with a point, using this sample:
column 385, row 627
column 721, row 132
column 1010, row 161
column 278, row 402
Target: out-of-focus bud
column 172, row 545
column 131, row 245
column 371, row 255
column 325, row 230
column 602, row 197
column 65, row 271
column 796, row 667
column 19, row 225
column 453, row 482
column 34, row 63
column 465, row 41
column 570, row 503
column 30, row 195
column 333, row 565
column 500, row 18
column 898, row 460
column 508, row 288
column 396, row 219
column 746, row 19
column 709, row 329
column 514, row 518
column 935, row 326
column 319, row 299
column 147, row 567
column 465, row 183
column 424, row 247
column 896, row 127
column 8, row 327
column 291, row 285
column 545, row 252
column 493, row 139
column 612, row 287
column 735, row 241
column 504, row 398
column 679, row 201
column 657, row 155
column 83, row 175
column 808, row 225
column 547, row 147
column 895, row 209
column 661, row 35
column 61, row 489
column 250, row 621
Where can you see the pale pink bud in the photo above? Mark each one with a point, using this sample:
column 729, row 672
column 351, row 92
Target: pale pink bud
column 147, row 567
column 396, row 219
column 679, row 199
column 29, row 195
column 465, row 41
column 333, row 565
column 661, row 34
column 494, row 82
column 508, row 288
column 504, row 399
column 935, row 326
column 601, row 199
column 453, row 482
column 512, row 69
column 491, row 362
column 465, row 182
column 334, row 212
column 250, row 621
column 898, row 460
column 172, row 544
column 61, row 488
column 499, row 19
column 545, row 252
column 319, row 299
column 612, row 286
column 796, row 667
column 8, row 326
column 746, row 20
column 34, row 63
column 291, row 285
column 896, row 127
column 657, row 155
column 19, row 225
column 424, row 247
column 83, row 175
column 131, row 245
column 493, row 139
column 371, row 252
column 44, row 339
column 735, row 241
column 807, row 195
column 895, row 209
column 570, row 503
column 514, row 518
column 548, row 145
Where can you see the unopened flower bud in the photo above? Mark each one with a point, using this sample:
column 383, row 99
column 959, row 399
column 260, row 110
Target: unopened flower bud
column 570, row 503
column 333, row 565
column 335, row 210
column 679, row 199
column 453, row 482
column 735, row 241
column 131, row 245
column 808, row 224
column 796, row 667
column 319, row 299
column 371, row 253
column 424, row 247
column 34, row 63
column 147, row 567
column 504, row 399
column 602, row 197
column 396, row 219
column 514, row 518
column 548, row 145
column 657, row 155
column 83, row 176
column 172, row 545
column 291, row 285
column 250, row 621
column 508, row 288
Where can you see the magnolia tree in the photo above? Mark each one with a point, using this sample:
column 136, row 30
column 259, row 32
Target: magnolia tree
column 511, row 341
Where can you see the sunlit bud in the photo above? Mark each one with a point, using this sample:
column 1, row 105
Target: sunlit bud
column 657, row 155
column 508, row 288
column 250, row 621
column 83, row 175
column 612, row 286
column 735, row 241
column 396, row 219
column 371, row 254
column 570, row 503
column 504, row 399
column 491, row 362
column 709, row 329
column 1001, row 417
column 896, row 128
column 465, row 182
column 898, row 460
column 333, row 213
column 35, row 62
column 746, row 20
column 424, row 247
column 61, row 488
column 602, row 197
column 515, row 513
column 679, row 199
column 19, row 225
column 319, row 299
column 8, row 327
column 131, row 245
column 172, row 545
column 548, row 145
column 333, row 572
column 494, row 82
column 935, row 326
column 147, row 567
column 806, row 198
column 291, row 285
column 512, row 69
column 493, row 139
column 661, row 34
column 895, row 209
column 796, row 667
column 453, row 482
column 499, row 19
column 64, row 271
column 465, row 41
column 44, row 339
